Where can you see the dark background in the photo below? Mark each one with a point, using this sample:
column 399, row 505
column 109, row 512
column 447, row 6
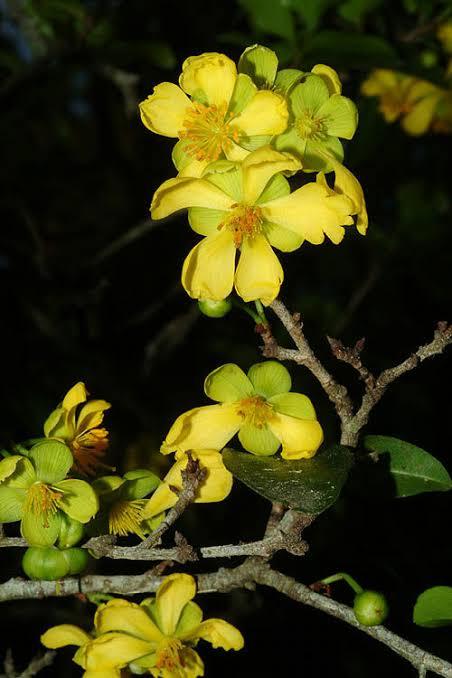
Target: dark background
column 89, row 290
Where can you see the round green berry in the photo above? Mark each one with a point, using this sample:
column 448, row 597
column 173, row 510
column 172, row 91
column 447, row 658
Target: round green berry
column 370, row 608
column 77, row 560
column 214, row 309
column 45, row 563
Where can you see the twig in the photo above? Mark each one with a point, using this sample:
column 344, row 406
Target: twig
column 352, row 419
column 35, row 666
column 252, row 571
column 192, row 476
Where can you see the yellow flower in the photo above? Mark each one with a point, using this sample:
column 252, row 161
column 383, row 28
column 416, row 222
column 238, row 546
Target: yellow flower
column 79, row 428
column 225, row 115
column 444, row 35
column 249, row 207
column 156, row 637
column 257, row 406
column 215, row 487
column 406, row 97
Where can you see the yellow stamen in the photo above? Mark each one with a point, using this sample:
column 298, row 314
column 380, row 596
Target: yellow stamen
column 42, row 500
column 255, row 411
column 244, row 221
column 310, row 127
column 208, row 131
column 125, row 517
column 169, row 655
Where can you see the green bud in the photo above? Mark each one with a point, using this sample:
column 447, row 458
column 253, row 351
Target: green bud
column 77, row 559
column 45, row 563
column 214, row 309
column 71, row 531
column 428, row 58
column 370, row 608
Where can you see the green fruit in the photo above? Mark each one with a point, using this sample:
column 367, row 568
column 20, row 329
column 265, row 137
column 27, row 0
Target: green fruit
column 44, row 563
column 428, row 58
column 77, row 559
column 214, row 309
column 370, row 608
column 71, row 531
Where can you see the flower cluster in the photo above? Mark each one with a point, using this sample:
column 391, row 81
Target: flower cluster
column 241, row 132
column 420, row 105
column 157, row 637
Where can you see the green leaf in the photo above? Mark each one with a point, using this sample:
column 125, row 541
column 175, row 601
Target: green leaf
column 354, row 10
column 340, row 49
column 270, row 16
column 413, row 469
column 434, row 607
column 311, row 11
column 308, row 485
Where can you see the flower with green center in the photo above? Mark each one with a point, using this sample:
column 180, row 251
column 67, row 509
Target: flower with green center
column 77, row 421
column 34, row 490
column 157, row 637
column 248, row 207
column 216, row 486
column 215, row 113
column 121, row 504
column 319, row 114
column 258, row 406
column 403, row 96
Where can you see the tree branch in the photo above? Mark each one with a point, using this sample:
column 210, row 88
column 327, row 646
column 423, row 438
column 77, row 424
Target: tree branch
column 352, row 419
column 35, row 666
column 253, row 571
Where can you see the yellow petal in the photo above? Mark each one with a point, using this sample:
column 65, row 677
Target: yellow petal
column 76, row 395
column 266, row 114
column 109, row 673
column 193, row 664
column 379, row 82
column 208, row 270
column 194, row 168
column 209, row 427
column 235, row 152
column 212, row 73
column 182, row 192
column 348, row 185
column 162, row 500
column 114, row 651
column 259, row 274
column 54, row 421
column 64, row 634
column 172, row 595
column 311, row 211
column 260, row 166
column 91, row 415
column 217, row 632
column 126, row 617
column 300, row 438
column 165, row 110
column 419, row 119
column 329, row 77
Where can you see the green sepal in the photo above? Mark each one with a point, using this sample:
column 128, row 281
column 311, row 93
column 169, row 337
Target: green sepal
column 259, row 63
column 79, row 500
column 294, row 405
column 52, row 460
column 258, row 440
column 71, row 532
column 139, row 483
column 12, row 501
column 42, row 529
column 244, row 91
column 227, row 384
column 287, row 78
column 269, row 378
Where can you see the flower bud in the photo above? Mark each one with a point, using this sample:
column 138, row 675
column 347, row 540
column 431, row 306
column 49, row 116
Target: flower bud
column 370, row 608
column 76, row 559
column 71, row 531
column 45, row 563
column 214, row 309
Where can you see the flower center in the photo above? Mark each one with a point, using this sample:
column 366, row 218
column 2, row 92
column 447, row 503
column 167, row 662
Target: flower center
column 88, row 448
column 42, row 500
column 244, row 221
column 208, row 131
column 125, row 517
column 394, row 105
column 169, row 655
column 310, row 127
column 255, row 411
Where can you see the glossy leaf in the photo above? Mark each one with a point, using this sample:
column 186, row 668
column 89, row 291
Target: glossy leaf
column 413, row 469
column 308, row 485
column 434, row 607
